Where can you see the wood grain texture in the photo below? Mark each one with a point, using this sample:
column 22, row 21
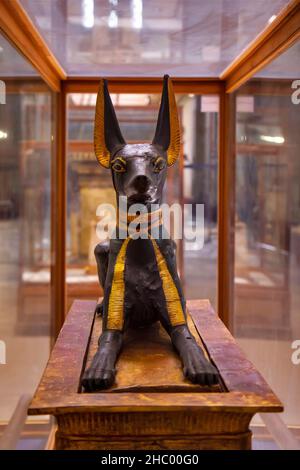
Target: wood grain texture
column 226, row 207
column 240, row 441
column 131, row 415
column 144, row 85
column 59, row 216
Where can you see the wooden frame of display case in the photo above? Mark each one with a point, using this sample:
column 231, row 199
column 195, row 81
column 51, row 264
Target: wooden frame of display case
column 278, row 36
column 17, row 26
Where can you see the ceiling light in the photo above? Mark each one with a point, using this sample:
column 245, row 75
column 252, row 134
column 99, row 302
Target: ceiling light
column 272, row 18
column 88, row 19
column 137, row 13
column 3, row 135
column 113, row 19
column 133, row 99
column 272, row 139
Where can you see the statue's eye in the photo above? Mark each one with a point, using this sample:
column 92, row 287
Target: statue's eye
column 159, row 164
column 119, row 165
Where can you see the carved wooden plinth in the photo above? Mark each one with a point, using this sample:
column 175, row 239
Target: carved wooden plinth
column 151, row 406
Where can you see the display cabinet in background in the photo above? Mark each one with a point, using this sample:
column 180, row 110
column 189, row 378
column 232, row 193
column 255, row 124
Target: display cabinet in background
column 26, row 200
column 35, row 214
column 264, row 170
column 27, row 144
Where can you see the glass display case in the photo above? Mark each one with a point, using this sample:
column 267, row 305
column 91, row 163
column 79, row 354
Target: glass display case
column 267, row 225
column 52, row 54
column 26, row 157
column 35, row 211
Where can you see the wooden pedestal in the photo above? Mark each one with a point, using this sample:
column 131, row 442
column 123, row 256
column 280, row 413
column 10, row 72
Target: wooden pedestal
column 151, row 406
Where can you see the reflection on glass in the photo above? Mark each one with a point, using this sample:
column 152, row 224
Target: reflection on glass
column 25, row 162
column 193, row 180
column 13, row 65
column 267, row 232
column 184, row 38
column 199, row 186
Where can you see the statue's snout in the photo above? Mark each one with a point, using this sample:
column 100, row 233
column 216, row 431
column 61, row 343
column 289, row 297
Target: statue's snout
column 141, row 184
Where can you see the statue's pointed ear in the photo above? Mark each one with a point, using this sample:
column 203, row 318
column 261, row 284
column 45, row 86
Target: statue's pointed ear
column 107, row 134
column 167, row 132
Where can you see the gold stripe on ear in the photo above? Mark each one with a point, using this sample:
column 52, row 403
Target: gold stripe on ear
column 101, row 151
column 173, row 150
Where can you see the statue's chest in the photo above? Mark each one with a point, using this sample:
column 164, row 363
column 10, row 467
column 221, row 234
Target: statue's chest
column 141, row 270
column 143, row 285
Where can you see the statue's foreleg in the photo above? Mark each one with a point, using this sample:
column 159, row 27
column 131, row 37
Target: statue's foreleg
column 173, row 317
column 101, row 254
column 101, row 373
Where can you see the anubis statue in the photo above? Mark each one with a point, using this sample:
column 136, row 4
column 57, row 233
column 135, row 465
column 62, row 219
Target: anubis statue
column 139, row 275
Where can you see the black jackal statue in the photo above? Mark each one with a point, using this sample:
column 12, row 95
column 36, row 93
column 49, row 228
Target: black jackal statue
column 139, row 275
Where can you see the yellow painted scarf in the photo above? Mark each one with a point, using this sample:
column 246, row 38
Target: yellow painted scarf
column 115, row 319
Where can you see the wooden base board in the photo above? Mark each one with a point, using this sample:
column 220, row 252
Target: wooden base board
column 144, row 410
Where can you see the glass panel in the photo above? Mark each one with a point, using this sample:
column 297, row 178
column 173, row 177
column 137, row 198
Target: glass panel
column 13, row 64
column 25, row 190
column 149, row 38
column 267, row 229
column 285, row 66
column 192, row 181
column 200, row 186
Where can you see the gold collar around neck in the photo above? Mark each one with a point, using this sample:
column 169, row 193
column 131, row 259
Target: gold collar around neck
column 144, row 221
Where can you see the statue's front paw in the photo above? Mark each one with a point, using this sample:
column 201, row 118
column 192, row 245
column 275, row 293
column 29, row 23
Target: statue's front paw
column 197, row 369
column 101, row 373
column 198, row 374
column 95, row 379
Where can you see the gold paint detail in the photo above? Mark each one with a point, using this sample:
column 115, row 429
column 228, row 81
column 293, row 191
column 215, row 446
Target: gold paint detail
column 101, row 151
column 118, row 165
column 121, row 160
column 159, row 164
column 147, row 221
column 173, row 150
column 115, row 317
column 146, row 217
column 173, row 302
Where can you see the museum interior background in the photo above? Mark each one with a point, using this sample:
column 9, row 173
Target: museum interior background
column 233, row 64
